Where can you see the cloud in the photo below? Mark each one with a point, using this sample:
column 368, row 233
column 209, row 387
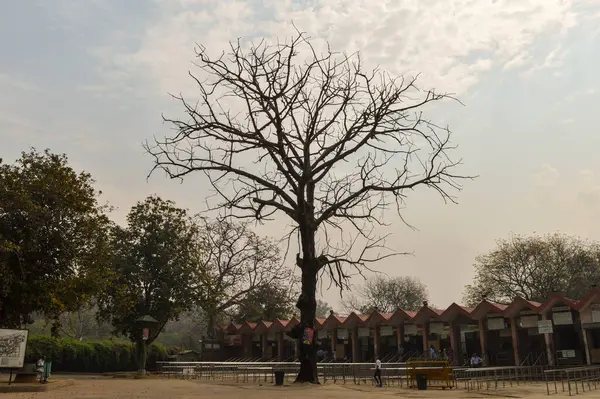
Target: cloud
column 546, row 177
column 450, row 42
column 15, row 82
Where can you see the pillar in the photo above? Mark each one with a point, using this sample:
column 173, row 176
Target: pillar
column 264, row 345
column 247, row 342
column 355, row 347
column 455, row 344
column 297, row 348
column 376, row 341
column 280, row 347
column 482, row 341
column 549, row 344
column 400, row 335
column 514, row 329
column 586, row 345
column 426, row 340
column 334, row 343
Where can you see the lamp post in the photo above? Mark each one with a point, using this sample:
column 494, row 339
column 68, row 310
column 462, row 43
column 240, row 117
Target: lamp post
column 142, row 326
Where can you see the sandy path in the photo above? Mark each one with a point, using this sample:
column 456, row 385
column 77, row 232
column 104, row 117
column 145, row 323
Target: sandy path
column 166, row 389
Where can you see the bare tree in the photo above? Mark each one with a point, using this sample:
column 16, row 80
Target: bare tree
column 233, row 263
column 316, row 138
column 533, row 268
column 387, row 294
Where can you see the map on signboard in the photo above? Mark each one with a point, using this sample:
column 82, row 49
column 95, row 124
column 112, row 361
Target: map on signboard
column 12, row 348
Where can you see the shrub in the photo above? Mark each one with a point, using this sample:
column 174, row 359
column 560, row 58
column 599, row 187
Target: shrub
column 90, row 357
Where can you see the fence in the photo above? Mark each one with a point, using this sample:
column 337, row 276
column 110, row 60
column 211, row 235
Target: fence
column 572, row 380
column 257, row 372
column 497, row 377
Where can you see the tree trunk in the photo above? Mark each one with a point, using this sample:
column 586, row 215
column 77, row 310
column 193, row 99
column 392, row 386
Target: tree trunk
column 308, row 307
column 142, row 355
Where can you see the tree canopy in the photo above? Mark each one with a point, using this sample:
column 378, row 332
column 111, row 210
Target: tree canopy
column 53, row 237
column 268, row 302
column 316, row 137
column 154, row 268
column 387, row 294
column 534, row 267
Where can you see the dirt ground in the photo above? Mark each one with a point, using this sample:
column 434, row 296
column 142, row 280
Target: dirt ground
column 166, row 389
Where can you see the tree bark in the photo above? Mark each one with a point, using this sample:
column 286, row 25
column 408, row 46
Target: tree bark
column 308, row 305
column 142, row 355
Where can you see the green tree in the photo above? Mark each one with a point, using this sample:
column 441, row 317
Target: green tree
column 268, row 302
column 53, row 238
column 234, row 262
column 533, row 268
column 323, row 309
column 387, row 294
column 285, row 129
column 153, row 271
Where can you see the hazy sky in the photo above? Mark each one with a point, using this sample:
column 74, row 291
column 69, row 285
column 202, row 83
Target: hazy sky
column 90, row 78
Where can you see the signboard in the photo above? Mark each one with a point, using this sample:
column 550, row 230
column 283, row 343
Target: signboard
column 569, row 353
column 145, row 333
column 561, row 309
column 12, row 348
column 562, row 318
column 410, row 329
column 321, row 334
column 386, row 331
column 363, row 332
column 271, row 336
column 307, row 337
column 342, row 333
column 529, row 321
column 595, row 314
column 545, row 326
column 234, row 340
column 256, row 338
column 506, row 333
column 495, row 323
column 436, row 328
column 527, row 312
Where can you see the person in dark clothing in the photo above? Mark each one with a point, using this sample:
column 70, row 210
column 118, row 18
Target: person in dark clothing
column 377, row 375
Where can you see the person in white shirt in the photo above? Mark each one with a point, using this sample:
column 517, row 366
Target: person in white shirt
column 476, row 361
column 377, row 375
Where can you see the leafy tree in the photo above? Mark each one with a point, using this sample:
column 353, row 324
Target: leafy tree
column 268, row 302
column 153, row 272
column 314, row 137
column 533, row 268
column 323, row 309
column 234, row 263
column 53, row 238
column 387, row 294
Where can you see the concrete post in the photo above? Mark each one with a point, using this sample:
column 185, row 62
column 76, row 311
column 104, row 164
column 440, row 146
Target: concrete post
column 355, row 347
column 483, row 341
column 426, row 340
column 247, row 342
column 280, row 347
column 455, row 344
column 549, row 344
column 514, row 329
column 334, row 343
column 586, row 345
column 264, row 345
column 376, row 341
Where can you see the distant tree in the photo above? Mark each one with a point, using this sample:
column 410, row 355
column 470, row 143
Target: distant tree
column 53, row 238
column 233, row 264
column 387, row 294
column 533, row 268
column 153, row 272
column 323, row 309
column 268, row 302
column 316, row 137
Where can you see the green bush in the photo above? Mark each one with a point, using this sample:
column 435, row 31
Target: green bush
column 90, row 357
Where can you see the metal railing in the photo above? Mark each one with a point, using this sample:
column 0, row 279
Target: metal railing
column 263, row 372
column 573, row 380
column 498, row 377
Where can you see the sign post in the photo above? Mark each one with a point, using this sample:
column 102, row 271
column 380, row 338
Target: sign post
column 545, row 327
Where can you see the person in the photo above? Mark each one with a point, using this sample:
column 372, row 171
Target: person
column 476, row 361
column 433, row 352
column 40, row 368
column 377, row 375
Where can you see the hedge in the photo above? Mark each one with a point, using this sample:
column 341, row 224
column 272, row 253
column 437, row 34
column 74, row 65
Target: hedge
column 89, row 357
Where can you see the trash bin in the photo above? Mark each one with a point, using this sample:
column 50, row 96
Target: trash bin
column 421, row 382
column 279, row 377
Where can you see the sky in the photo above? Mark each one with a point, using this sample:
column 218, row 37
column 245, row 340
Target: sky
column 91, row 79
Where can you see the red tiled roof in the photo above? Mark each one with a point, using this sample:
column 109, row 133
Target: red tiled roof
column 426, row 312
